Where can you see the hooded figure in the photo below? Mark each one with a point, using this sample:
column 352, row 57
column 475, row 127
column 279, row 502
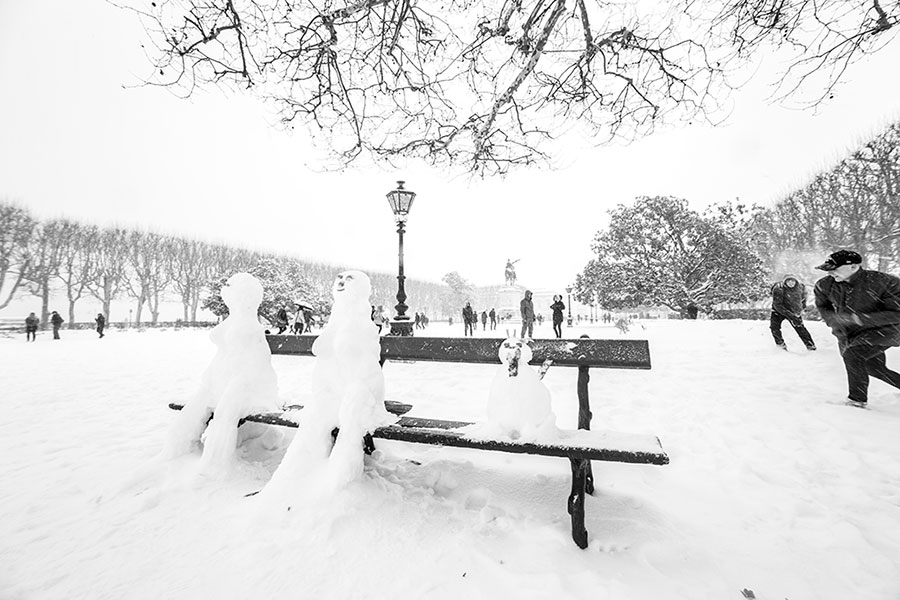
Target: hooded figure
column 788, row 302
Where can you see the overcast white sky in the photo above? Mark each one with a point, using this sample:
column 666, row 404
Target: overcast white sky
column 75, row 141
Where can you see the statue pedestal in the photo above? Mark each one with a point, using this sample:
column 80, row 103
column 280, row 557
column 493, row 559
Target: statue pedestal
column 508, row 298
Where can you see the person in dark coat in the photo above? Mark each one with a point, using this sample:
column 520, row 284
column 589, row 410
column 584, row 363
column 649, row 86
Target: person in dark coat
column 281, row 320
column 788, row 302
column 493, row 316
column 862, row 308
column 526, row 308
column 31, row 326
column 468, row 315
column 484, row 319
column 56, row 320
column 101, row 323
column 557, row 307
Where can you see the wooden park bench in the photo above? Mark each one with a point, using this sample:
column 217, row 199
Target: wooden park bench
column 579, row 446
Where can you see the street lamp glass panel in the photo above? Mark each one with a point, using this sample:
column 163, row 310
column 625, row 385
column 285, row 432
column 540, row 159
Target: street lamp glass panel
column 401, row 201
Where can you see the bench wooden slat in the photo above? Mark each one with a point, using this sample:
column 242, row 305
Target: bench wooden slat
column 590, row 445
column 581, row 444
column 611, row 354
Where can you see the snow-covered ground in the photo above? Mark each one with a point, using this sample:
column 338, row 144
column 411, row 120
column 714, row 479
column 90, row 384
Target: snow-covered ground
column 774, row 485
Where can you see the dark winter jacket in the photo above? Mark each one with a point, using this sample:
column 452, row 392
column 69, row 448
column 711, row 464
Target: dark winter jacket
column 788, row 301
column 101, row 321
column 862, row 311
column 57, row 320
column 468, row 314
column 526, row 307
column 31, row 323
column 557, row 307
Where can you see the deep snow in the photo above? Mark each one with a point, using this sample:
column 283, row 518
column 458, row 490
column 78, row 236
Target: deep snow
column 774, row 485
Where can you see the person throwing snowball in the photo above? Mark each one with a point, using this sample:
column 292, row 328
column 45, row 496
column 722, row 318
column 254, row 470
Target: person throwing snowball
column 862, row 308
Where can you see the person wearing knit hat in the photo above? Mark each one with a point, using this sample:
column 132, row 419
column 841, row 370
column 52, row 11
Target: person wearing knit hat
column 862, row 308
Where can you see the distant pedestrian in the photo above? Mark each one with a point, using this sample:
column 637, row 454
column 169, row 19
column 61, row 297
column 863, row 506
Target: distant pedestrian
column 788, row 302
column 862, row 308
column 493, row 317
column 468, row 315
column 484, row 319
column 417, row 321
column 31, row 326
column 281, row 320
column 57, row 322
column 557, row 307
column 101, row 323
column 450, row 321
column 526, row 308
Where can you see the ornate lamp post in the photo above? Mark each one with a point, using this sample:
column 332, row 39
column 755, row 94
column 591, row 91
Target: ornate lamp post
column 569, row 292
column 401, row 201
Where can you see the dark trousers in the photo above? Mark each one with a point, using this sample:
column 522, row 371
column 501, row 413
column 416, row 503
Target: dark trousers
column 557, row 328
column 56, row 332
column 469, row 330
column 527, row 328
column 775, row 321
column 30, row 334
column 861, row 363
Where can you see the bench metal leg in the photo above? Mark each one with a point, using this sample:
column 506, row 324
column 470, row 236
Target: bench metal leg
column 580, row 469
column 584, row 417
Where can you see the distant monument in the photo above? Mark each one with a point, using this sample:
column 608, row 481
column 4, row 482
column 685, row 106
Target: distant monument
column 508, row 296
column 511, row 271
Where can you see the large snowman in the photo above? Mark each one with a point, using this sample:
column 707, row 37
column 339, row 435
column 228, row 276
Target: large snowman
column 348, row 393
column 239, row 381
column 519, row 402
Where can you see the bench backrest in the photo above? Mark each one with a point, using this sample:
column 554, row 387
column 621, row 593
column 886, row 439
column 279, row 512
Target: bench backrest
column 580, row 352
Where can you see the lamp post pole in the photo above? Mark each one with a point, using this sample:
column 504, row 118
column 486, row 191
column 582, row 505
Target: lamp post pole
column 401, row 201
column 569, row 292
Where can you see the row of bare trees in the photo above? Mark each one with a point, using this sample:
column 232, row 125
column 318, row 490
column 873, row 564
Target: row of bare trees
column 855, row 204
column 59, row 256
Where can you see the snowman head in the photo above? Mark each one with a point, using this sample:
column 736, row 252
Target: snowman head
column 351, row 286
column 242, row 293
column 512, row 352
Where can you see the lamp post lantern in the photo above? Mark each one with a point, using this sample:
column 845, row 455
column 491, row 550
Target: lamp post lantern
column 401, row 201
column 569, row 292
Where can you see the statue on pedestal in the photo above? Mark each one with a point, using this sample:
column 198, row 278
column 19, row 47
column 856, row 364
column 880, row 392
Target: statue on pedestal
column 511, row 271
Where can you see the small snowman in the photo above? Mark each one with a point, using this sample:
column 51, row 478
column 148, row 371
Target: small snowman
column 348, row 391
column 519, row 402
column 239, row 381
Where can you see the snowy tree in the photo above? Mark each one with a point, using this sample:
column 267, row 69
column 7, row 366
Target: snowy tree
column 458, row 292
column 284, row 285
column 16, row 228
column 108, row 275
column 44, row 255
column 78, row 246
column 149, row 277
column 659, row 252
column 189, row 265
column 488, row 85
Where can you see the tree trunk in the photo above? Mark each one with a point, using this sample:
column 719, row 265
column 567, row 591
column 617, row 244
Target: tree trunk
column 71, row 312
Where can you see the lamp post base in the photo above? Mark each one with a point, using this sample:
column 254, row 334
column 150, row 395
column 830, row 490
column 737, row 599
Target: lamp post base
column 401, row 328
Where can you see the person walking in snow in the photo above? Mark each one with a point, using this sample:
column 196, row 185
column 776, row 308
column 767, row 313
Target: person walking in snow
column 484, row 318
column 56, row 320
column 526, row 308
column 101, row 323
column 862, row 308
column 557, row 307
column 468, row 315
column 31, row 326
column 493, row 317
column 788, row 302
column 281, row 320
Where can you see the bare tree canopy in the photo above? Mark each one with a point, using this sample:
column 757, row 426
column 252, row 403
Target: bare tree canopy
column 487, row 85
